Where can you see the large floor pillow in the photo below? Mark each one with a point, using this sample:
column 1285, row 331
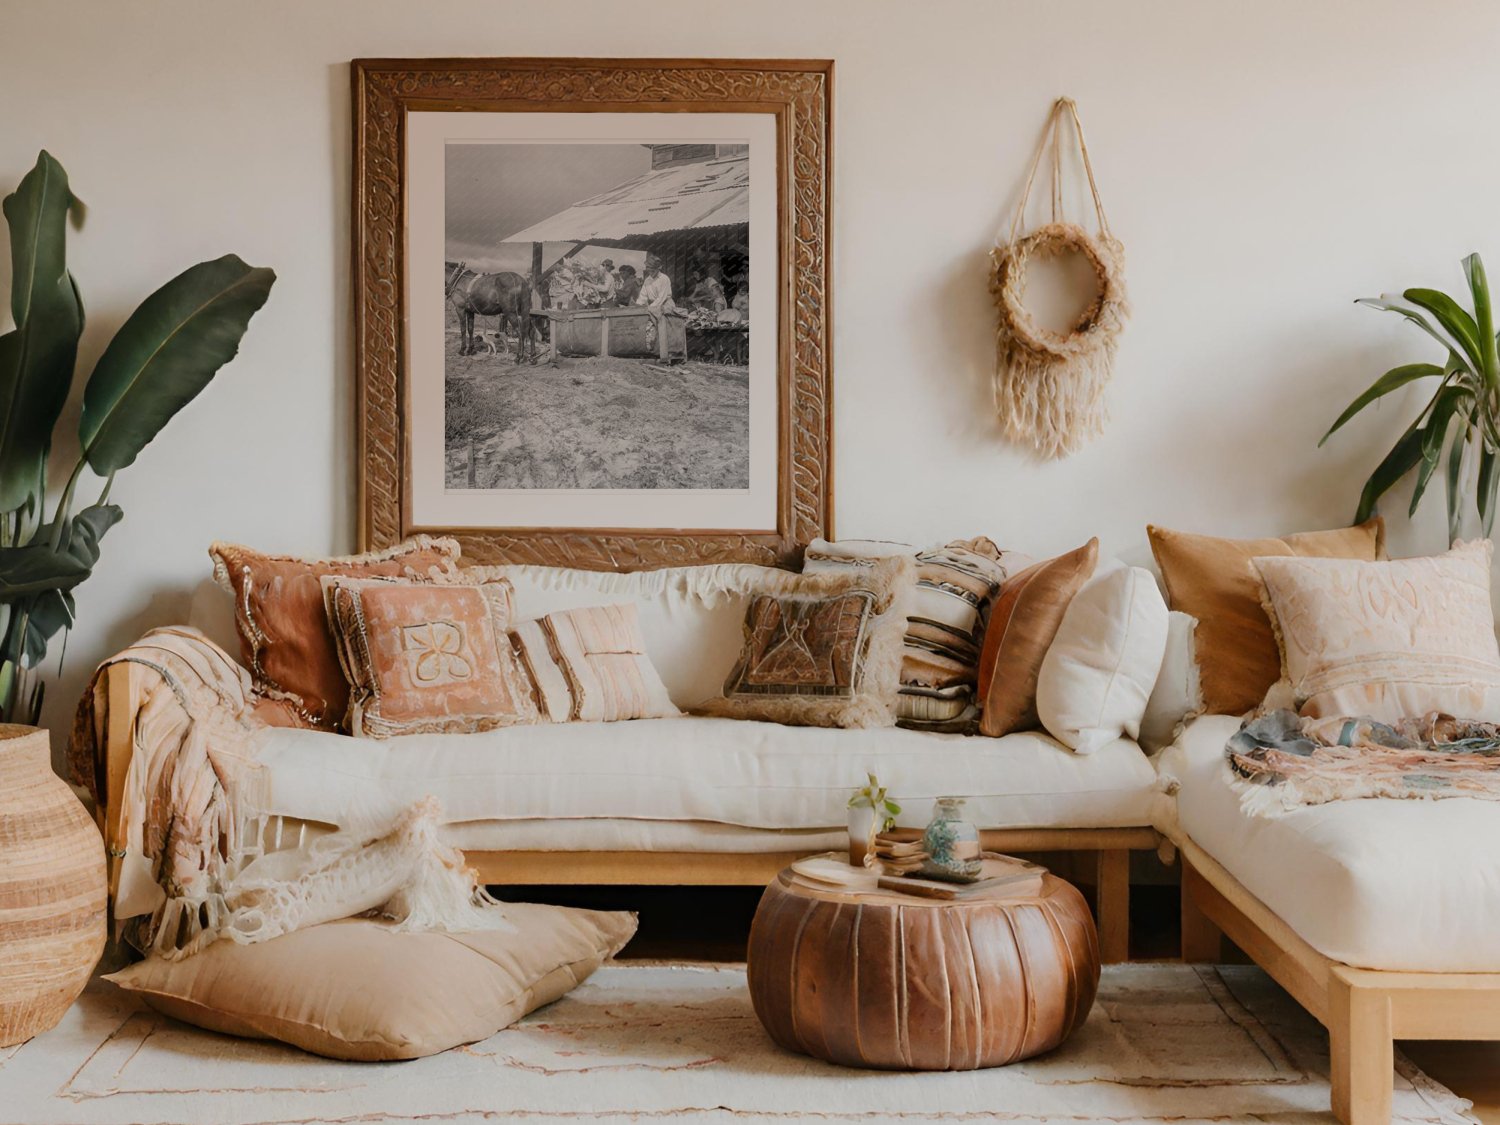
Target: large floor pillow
column 358, row 990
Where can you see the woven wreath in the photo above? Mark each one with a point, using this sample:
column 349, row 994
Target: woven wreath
column 1049, row 386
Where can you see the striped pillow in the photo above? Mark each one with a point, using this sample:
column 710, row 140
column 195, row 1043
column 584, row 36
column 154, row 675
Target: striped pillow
column 945, row 628
column 590, row 665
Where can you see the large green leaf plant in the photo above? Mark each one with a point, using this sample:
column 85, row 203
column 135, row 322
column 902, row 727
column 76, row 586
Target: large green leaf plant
column 164, row 354
column 1457, row 427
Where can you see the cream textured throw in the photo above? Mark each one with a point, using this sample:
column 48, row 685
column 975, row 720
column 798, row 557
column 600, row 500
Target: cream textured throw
column 1049, row 386
column 191, row 839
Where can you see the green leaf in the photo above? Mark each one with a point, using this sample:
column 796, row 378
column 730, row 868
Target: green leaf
column 82, row 535
column 1488, row 480
column 1392, row 303
column 1392, row 380
column 37, row 356
column 168, row 351
column 1402, row 458
column 1454, row 319
column 35, row 568
column 1484, row 316
column 1455, row 476
column 1446, row 403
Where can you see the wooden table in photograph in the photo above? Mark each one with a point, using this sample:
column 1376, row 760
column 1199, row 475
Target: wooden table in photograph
column 881, row 979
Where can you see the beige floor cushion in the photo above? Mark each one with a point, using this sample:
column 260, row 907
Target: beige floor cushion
column 358, row 990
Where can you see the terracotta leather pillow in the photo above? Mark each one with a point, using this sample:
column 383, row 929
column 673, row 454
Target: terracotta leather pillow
column 1023, row 622
column 358, row 990
column 1215, row 581
column 285, row 640
column 427, row 657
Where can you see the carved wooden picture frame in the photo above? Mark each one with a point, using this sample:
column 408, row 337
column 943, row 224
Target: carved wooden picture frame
column 388, row 94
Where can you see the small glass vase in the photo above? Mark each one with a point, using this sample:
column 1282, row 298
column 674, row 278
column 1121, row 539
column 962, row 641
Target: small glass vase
column 951, row 843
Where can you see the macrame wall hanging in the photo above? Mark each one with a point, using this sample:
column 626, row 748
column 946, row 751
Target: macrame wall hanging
column 1049, row 386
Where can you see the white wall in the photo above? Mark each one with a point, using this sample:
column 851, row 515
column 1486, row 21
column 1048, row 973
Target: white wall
column 1264, row 164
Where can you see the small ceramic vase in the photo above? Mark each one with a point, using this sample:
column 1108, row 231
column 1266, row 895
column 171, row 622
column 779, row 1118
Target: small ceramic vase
column 861, row 832
column 951, row 843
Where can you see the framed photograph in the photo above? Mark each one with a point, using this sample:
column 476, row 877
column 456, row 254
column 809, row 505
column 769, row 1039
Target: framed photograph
column 592, row 307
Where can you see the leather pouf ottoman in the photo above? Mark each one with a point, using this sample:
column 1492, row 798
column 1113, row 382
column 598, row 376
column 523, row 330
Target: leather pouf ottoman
column 889, row 980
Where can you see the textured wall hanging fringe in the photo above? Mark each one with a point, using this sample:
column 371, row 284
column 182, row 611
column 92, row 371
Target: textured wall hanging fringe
column 1049, row 386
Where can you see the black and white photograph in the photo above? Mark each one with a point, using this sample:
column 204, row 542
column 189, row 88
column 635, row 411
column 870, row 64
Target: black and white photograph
column 597, row 315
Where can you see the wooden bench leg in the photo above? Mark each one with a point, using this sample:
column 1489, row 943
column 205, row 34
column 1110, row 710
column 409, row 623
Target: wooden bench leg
column 1202, row 941
column 1112, row 886
column 1361, row 1052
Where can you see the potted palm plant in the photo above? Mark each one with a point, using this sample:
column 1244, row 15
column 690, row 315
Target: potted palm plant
column 1457, row 427
column 163, row 355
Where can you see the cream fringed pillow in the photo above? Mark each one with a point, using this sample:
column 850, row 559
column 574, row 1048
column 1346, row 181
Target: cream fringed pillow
column 823, row 650
column 590, row 665
column 356, row 990
column 427, row 657
column 1390, row 640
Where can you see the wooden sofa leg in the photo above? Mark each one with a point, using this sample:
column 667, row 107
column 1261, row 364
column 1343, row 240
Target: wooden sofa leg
column 1361, row 1052
column 1202, row 941
column 1112, row 886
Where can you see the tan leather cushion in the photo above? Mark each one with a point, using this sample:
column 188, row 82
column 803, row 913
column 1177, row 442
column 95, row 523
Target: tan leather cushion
column 356, row 990
column 427, row 656
column 1022, row 624
column 1214, row 580
column 278, row 611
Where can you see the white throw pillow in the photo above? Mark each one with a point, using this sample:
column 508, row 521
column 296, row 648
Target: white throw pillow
column 1098, row 674
column 1178, row 694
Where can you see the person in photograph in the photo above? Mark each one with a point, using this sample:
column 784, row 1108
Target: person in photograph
column 608, row 282
column 705, row 293
column 656, row 287
column 741, row 302
column 560, row 286
column 628, row 287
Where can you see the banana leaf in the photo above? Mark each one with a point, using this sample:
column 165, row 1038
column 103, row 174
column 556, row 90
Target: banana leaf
column 37, row 356
column 166, row 353
column 35, row 568
column 1394, row 379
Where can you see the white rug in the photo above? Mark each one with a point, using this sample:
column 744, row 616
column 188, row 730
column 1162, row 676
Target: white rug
column 645, row 1042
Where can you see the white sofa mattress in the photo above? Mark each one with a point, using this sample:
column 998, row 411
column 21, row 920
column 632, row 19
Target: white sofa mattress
column 1379, row 884
column 727, row 771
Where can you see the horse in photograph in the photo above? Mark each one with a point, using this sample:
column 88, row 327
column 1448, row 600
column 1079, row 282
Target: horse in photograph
column 506, row 295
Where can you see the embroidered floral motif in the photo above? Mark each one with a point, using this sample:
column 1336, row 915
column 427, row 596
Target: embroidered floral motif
column 436, row 652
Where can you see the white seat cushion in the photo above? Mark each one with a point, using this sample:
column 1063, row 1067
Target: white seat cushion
column 1379, row 884
column 730, row 771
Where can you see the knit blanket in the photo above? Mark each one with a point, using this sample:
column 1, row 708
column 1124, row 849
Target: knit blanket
column 193, row 858
column 1281, row 761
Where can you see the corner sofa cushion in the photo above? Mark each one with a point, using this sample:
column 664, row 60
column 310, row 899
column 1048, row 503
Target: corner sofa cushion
column 1100, row 669
column 1214, row 580
column 590, row 665
column 423, row 656
column 284, row 635
column 726, row 771
column 359, row 990
column 1388, row 640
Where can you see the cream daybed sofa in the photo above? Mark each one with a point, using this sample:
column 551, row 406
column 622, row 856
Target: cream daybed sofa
column 682, row 800
column 1381, row 916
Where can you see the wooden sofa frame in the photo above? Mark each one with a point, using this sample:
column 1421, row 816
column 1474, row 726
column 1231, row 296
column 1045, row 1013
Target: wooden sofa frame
column 1111, row 846
column 1364, row 1010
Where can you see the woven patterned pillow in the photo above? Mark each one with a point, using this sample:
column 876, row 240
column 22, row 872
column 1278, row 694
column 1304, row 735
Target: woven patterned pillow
column 427, row 657
column 590, row 665
column 284, row 635
column 956, row 584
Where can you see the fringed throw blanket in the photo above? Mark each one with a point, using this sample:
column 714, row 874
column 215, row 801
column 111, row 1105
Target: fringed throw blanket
column 190, row 840
column 1281, row 761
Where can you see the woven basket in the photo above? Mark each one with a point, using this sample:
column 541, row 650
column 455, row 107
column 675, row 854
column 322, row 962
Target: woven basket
column 52, row 889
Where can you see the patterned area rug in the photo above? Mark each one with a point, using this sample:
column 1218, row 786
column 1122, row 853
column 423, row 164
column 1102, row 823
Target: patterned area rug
column 640, row 1042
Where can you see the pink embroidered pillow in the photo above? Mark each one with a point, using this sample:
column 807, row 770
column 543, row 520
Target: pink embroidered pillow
column 1390, row 640
column 590, row 665
column 427, row 657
